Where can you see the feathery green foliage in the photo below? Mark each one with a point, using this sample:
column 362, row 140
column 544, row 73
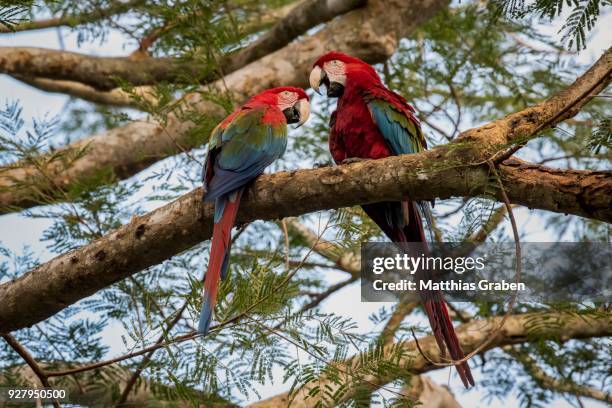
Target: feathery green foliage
column 583, row 15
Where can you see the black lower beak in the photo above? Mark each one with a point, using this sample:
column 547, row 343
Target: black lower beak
column 335, row 90
column 292, row 115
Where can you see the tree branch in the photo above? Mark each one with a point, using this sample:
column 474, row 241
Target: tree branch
column 74, row 20
column 169, row 230
column 517, row 329
column 100, row 72
column 554, row 384
column 402, row 309
column 371, row 33
column 115, row 97
column 429, row 394
column 346, row 261
column 33, row 364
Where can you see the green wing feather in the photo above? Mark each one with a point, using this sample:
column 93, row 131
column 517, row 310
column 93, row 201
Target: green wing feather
column 240, row 149
column 402, row 133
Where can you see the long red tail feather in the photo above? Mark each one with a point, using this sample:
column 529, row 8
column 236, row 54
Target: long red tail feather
column 218, row 260
column 433, row 301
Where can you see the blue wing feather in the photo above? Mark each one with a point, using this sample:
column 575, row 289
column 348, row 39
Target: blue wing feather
column 403, row 136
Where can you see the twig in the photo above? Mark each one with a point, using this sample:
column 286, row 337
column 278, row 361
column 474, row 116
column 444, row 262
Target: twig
column 320, row 297
column 403, row 309
column 286, row 233
column 145, row 361
column 23, row 353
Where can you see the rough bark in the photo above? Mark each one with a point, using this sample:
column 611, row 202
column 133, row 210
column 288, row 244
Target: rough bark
column 101, row 72
column 175, row 227
column 517, row 329
column 371, row 33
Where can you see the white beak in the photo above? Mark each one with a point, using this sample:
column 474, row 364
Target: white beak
column 303, row 106
column 315, row 78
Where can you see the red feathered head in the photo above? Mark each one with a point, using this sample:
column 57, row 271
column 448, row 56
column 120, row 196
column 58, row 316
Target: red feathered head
column 293, row 102
column 337, row 70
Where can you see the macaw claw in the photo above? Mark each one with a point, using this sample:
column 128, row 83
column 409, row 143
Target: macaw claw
column 353, row 160
column 318, row 165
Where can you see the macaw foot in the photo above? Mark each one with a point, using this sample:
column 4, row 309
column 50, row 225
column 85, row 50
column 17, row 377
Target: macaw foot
column 353, row 160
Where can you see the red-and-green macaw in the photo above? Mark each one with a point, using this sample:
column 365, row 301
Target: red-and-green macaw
column 240, row 148
column 372, row 122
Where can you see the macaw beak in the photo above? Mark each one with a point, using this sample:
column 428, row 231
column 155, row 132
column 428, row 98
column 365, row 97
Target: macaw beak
column 298, row 113
column 303, row 108
column 317, row 75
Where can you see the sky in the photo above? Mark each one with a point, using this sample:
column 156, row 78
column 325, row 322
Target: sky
column 17, row 231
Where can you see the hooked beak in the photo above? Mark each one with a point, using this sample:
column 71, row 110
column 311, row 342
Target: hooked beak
column 298, row 113
column 319, row 77
column 316, row 77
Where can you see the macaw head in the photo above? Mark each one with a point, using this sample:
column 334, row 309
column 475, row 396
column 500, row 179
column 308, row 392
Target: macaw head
column 337, row 70
column 293, row 102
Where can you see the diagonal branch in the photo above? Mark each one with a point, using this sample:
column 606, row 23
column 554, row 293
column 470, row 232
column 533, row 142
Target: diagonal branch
column 33, row 364
column 101, row 72
column 554, row 384
column 169, row 230
column 77, row 19
column 372, row 33
column 115, row 97
column 518, row 329
column 346, row 261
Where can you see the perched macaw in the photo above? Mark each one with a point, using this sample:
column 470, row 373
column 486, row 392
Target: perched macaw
column 372, row 122
column 240, row 148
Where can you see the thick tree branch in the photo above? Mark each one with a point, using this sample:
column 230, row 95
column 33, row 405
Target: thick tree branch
column 101, row 72
column 517, row 329
column 160, row 234
column 115, row 97
column 307, row 14
column 77, row 19
column 371, row 32
column 120, row 98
